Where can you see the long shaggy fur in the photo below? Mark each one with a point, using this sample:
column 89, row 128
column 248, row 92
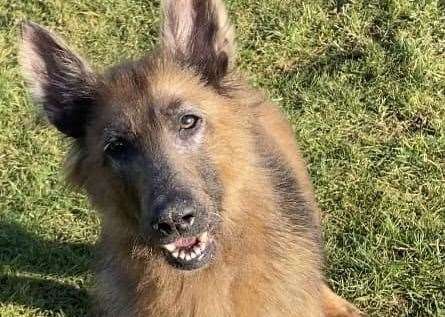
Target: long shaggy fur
column 268, row 260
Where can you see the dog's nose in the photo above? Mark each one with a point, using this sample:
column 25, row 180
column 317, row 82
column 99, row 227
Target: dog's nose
column 169, row 220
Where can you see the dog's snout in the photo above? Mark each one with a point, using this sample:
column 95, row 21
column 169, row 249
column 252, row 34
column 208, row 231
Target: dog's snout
column 173, row 218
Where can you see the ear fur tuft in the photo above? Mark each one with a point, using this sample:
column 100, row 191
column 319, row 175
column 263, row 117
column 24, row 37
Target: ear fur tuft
column 58, row 78
column 199, row 34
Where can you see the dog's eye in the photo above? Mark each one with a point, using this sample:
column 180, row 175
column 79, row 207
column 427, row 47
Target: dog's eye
column 117, row 149
column 189, row 121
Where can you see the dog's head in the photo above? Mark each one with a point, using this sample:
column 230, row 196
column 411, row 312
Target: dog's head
column 156, row 140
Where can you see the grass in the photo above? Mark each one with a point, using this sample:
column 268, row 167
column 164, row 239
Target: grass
column 363, row 83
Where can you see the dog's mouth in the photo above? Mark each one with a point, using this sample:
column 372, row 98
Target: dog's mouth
column 190, row 253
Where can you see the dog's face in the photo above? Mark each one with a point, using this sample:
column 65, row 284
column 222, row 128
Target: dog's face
column 157, row 127
column 152, row 133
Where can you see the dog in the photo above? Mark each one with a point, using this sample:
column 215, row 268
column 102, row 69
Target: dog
column 206, row 206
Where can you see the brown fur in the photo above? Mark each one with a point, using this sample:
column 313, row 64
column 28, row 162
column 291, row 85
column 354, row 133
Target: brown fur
column 269, row 258
column 278, row 262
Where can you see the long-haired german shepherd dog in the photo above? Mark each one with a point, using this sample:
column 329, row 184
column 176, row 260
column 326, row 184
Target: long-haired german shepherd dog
column 206, row 205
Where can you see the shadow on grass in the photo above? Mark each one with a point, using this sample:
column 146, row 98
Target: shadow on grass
column 24, row 252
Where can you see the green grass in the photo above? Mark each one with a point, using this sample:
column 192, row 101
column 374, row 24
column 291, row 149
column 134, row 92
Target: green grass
column 363, row 83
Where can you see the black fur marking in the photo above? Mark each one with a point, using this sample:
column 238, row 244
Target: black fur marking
column 292, row 202
column 213, row 185
column 69, row 116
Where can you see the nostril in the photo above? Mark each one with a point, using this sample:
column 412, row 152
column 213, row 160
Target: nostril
column 189, row 218
column 186, row 221
column 163, row 228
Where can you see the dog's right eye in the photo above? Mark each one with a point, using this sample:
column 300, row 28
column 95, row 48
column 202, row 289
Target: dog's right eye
column 117, row 149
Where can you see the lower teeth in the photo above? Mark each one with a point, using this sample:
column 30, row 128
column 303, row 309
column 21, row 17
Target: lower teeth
column 189, row 253
column 196, row 252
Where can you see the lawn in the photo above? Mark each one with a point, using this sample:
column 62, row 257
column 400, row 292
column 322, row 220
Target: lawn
column 363, row 83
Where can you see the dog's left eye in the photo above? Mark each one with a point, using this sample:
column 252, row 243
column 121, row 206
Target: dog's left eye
column 189, row 121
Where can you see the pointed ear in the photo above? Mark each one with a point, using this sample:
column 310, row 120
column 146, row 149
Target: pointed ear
column 58, row 79
column 199, row 33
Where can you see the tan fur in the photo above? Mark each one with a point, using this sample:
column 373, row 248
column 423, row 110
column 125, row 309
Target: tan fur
column 279, row 275
column 335, row 306
column 266, row 264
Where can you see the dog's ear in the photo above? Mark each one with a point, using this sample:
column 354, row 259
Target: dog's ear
column 199, row 33
column 59, row 80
